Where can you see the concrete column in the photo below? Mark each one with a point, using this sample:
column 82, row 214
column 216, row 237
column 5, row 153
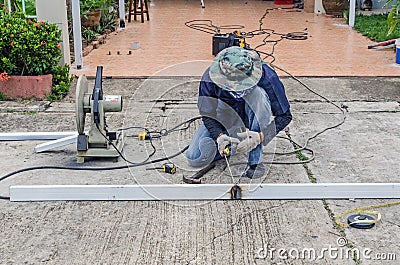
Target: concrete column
column 55, row 12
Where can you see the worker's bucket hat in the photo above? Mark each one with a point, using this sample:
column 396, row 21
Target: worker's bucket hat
column 236, row 69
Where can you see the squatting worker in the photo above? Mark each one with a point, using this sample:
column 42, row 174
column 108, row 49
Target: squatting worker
column 243, row 106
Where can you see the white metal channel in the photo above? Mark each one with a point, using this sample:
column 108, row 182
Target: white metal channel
column 56, row 143
column 204, row 192
column 23, row 136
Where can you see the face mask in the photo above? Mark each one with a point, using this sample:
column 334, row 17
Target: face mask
column 239, row 95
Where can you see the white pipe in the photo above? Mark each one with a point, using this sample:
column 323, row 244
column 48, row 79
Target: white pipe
column 76, row 30
column 9, row 5
column 352, row 13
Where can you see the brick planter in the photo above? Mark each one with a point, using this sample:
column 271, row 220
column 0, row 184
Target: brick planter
column 17, row 87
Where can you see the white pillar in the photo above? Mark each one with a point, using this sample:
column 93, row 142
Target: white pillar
column 352, row 13
column 319, row 7
column 55, row 12
column 121, row 8
column 76, row 30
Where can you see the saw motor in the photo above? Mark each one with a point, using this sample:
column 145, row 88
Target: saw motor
column 98, row 141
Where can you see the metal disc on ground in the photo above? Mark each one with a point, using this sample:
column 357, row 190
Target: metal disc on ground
column 361, row 221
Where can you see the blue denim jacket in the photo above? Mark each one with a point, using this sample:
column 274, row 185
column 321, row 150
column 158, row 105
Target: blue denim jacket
column 210, row 93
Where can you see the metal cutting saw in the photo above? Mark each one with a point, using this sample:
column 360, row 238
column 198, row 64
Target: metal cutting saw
column 98, row 141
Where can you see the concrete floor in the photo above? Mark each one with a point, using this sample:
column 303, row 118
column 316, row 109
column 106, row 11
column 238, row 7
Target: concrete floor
column 363, row 149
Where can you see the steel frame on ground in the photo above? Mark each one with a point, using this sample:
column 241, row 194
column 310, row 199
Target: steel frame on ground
column 205, row 192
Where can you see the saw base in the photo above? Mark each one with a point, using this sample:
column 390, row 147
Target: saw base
column 109, row 152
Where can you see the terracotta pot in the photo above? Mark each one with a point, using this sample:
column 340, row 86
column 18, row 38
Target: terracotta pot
column 92, row 20
column 17, row 87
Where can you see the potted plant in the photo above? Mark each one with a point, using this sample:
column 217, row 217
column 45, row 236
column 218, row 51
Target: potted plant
column 91, row 12
column 29, row 55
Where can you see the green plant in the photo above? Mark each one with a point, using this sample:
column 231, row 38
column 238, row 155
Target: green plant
column 88, row 6
column 393, row 17
column 28, row 47
column 374, row 27
column 108, row 19
column 30, row 7
column 62, row 80
column 2, row 98
column 89, row 35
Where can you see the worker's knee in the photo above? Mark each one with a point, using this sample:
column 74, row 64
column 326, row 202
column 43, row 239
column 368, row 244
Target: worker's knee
column 203, row 154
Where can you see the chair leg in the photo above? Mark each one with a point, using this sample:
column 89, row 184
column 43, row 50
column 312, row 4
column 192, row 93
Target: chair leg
column 141, row 10
column 130, row 11
column 135, row 10
column 147, row 9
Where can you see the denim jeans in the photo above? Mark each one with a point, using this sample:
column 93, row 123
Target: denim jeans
column 203, row 149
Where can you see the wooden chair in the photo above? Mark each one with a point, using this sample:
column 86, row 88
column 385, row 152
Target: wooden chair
column 138, row 8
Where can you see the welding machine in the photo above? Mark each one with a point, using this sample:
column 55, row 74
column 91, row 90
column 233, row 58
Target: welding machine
column 222, row 41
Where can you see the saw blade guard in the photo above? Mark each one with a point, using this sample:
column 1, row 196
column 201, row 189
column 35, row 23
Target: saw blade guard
column 81, row 90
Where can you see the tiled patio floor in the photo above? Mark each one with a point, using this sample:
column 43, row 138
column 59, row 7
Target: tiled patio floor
column 332, row 48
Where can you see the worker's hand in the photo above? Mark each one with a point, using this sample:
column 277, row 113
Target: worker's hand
column 224, row 140
column 250, row 141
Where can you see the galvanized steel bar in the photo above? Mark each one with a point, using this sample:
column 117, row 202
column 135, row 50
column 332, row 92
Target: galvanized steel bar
column 204, row 192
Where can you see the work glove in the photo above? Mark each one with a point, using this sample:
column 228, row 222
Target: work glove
column 223, row 141
column 250, row 141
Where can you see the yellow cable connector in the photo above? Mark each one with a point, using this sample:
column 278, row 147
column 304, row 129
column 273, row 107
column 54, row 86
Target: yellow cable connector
column 226, row 151
column 143, row 136
column 242, row 44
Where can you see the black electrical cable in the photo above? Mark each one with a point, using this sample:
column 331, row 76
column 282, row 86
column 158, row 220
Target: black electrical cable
column 211, row 29
column 321, row 96
column 288, row 36
column 176, row 128
column 120, row 153
column 92, row 168
column 206, row 25
column 293, row 36
column 131, row 164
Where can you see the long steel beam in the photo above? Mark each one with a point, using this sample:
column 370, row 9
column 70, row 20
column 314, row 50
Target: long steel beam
column 22, row 136
column 204, row 192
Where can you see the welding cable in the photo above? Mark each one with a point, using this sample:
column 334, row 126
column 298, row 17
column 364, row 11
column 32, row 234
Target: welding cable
column 163, row 132
column 176, row 128
column 207, row 26
column 90, row 168
column 129, row 165
column 321, row 96
column 120, row 153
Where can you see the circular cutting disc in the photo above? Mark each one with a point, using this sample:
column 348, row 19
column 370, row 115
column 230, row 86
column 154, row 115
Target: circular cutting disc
column 360, row 218
column 81, row 90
